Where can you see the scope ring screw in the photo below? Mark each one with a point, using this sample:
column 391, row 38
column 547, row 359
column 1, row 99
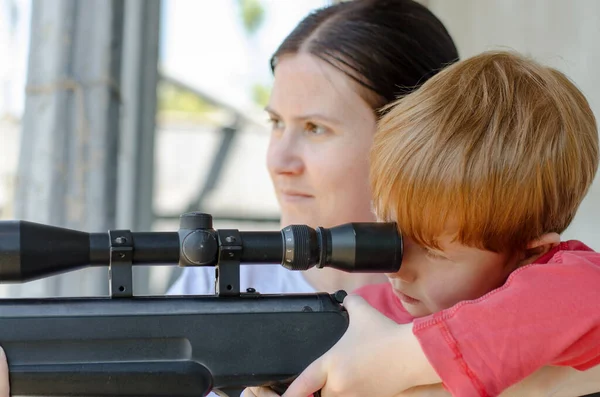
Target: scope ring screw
column 120, row 240
column 230, row 239
column 339, row 296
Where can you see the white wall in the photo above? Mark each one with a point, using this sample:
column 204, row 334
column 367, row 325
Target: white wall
column 560, row 33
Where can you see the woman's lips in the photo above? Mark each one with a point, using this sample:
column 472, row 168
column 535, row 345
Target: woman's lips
column 406, row 298
column 294, row 197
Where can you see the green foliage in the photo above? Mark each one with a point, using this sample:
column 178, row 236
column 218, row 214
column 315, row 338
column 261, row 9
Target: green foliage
column 260, row 94
column 253, row 14
column 175, row 99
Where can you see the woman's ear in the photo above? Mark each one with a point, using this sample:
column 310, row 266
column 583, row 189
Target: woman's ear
column 540, row 246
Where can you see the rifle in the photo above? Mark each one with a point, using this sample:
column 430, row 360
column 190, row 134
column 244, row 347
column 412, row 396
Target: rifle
column 177, row 346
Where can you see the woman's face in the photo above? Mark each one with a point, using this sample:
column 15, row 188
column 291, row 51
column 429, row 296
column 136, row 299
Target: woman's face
column 322, row 131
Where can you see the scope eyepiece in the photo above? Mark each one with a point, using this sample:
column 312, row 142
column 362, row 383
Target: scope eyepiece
column 352, row 247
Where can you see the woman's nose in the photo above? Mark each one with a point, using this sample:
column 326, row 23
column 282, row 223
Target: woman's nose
column 284, row 156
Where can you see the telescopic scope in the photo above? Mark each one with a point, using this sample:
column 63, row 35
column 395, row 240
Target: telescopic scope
column 31, row 251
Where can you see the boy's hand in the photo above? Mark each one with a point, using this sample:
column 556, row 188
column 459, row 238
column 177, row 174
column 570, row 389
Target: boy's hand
column 373, row 349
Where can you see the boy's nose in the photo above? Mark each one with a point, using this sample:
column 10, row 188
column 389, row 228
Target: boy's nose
column 405, row 275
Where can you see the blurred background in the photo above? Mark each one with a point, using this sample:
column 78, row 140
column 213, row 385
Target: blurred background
column 127, row 113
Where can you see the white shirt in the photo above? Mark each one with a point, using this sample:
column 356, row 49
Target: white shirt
column 265, row 279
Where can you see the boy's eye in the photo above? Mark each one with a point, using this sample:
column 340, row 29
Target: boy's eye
column 434, row 255
column 315, row 129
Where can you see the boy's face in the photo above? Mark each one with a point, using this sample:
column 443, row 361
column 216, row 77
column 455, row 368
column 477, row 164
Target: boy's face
column 430, row 280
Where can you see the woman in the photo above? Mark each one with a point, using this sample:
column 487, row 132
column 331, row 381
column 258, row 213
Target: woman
column 324, row 112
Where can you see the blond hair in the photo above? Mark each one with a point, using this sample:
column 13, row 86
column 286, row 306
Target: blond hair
column 496, row 147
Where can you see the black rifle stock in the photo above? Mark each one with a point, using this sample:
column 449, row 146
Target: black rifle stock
column 177, row 346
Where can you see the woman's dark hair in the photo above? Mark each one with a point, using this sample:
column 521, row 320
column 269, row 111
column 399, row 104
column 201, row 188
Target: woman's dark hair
column 390, row 47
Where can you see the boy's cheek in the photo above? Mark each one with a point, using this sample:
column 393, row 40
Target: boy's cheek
column 445, row 294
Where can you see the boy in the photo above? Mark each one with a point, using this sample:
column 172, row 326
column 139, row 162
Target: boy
column 482, row 168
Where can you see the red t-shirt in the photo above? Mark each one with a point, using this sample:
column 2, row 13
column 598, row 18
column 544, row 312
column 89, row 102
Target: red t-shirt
column 547, row 313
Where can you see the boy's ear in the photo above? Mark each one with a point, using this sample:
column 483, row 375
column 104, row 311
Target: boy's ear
column 540, row 246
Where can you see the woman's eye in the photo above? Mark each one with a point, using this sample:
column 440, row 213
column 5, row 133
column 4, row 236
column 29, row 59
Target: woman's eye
column 315, row 129
column 276, row 124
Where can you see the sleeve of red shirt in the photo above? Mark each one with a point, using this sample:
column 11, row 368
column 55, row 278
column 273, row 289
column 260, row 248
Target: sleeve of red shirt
column 545, row 314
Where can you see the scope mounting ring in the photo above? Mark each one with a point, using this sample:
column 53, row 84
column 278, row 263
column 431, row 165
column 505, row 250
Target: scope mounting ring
column 120, row 270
